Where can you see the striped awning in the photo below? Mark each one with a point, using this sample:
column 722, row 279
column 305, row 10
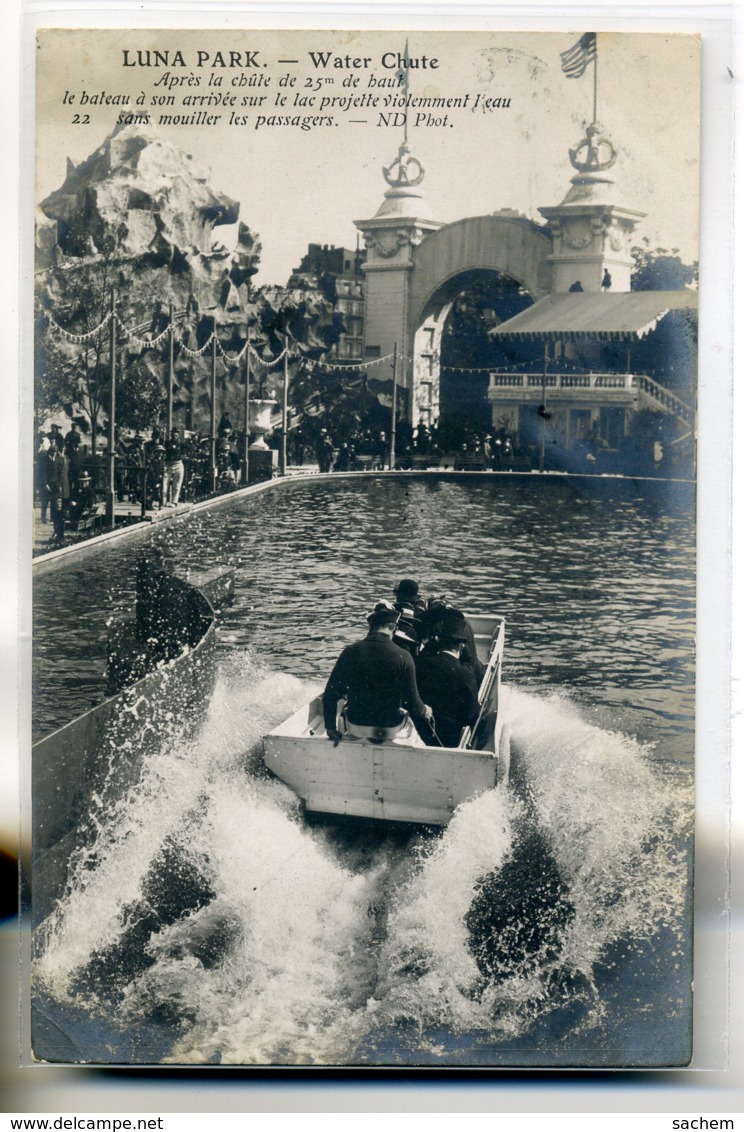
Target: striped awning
column 626, row 315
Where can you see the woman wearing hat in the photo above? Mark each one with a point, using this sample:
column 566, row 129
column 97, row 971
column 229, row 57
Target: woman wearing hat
column 447, row 684
column 410, row 629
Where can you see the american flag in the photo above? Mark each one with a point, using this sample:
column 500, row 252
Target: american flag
column 576, row 60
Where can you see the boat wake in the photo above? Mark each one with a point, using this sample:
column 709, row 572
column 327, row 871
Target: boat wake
column 209, row 924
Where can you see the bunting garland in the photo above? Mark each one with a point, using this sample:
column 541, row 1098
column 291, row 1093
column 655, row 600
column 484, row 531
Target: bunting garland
column 78, row 339
column 268, row 363
column 143, row 343
column 195, row 353
column 230, row 357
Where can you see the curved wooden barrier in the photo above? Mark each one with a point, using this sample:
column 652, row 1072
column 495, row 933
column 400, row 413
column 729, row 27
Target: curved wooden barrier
column 94, row 759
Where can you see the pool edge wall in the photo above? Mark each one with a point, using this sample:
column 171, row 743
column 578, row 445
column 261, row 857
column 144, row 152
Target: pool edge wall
column 91, row 762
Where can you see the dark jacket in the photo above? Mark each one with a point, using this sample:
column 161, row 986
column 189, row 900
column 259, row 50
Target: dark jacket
column 450, row 690
column 173, row 451
column 378, row 678
column 56, row 469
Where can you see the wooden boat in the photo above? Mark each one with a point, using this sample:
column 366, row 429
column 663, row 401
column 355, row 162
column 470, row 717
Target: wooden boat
column 402, row 779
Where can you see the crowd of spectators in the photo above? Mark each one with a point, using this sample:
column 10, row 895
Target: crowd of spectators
column 154, row 470
column 63, row 483
column 71, row 482
column 415, row 447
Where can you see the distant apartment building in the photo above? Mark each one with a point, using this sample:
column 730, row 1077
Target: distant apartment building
column 344, row 265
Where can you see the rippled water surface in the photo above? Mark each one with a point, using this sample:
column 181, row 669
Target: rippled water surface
column 549, row 924
column 596, row 583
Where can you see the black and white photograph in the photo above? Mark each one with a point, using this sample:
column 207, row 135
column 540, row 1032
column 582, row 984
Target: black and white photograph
column 365, row 461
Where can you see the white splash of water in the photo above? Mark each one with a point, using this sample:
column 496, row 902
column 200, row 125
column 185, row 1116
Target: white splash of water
column 613, row 824
column 427, row 969
column 614, row 829
column 300, row 974
column 108, row 874
column 297, row 971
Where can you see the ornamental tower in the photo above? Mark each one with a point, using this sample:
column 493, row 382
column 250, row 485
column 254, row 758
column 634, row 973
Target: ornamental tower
column 590, row 231
column 399, row 225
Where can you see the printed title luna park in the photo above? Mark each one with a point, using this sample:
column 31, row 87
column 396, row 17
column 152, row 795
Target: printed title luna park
column 321, row 60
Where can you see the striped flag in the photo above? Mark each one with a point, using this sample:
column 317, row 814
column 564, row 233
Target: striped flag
column 576, row 60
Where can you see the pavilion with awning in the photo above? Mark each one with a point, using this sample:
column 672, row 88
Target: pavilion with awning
column 579, row 399
column 603, row 315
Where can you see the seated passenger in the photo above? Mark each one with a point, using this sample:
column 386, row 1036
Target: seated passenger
column 438, row 615
column 378, row 680
column 448, row 685
column 409, row 633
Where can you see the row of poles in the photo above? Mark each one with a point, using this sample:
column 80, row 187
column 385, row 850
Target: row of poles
column 111, row 490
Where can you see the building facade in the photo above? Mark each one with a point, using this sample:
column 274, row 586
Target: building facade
column 345, row 267
column 416, row 268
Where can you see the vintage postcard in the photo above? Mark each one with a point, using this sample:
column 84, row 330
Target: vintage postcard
column 365, row 463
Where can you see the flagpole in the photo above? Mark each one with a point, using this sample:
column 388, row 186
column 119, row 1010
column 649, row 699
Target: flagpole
column 596, row 54
column 405, row 93
column 405, row 96
column 543, row 407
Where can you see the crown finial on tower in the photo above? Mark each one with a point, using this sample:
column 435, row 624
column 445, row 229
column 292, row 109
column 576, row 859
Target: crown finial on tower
column 594, row 142
column 405, row 163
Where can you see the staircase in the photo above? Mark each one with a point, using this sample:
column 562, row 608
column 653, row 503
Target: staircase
column 657, row 397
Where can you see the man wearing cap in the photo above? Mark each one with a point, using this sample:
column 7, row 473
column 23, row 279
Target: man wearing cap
column 42, row 447
column 57, row 484
column 447, row 684
column 378, row 679
column 83, row 499
column 173, row 469
column 324, row 451
column 438, row 613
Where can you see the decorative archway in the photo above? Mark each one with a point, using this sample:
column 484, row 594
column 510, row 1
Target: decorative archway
column 497, row 246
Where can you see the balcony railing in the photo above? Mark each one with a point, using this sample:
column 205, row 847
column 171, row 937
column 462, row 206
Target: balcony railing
column 662, row 396
column 625, row 382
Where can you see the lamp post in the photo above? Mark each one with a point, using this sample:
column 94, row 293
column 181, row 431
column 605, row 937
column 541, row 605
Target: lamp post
column 171, row 344
column 285, row 394
column 213, row 413
column 111, row 493
column 246, row 414
column 543, row 407
column 395, row 407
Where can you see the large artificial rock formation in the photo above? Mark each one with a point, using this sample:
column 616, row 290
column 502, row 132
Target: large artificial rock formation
column 140, row 215
column 151, row 204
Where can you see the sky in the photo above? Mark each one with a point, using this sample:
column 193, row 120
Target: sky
column 298, row 186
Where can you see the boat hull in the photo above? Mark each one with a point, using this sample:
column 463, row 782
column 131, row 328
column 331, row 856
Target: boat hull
column 397, row 781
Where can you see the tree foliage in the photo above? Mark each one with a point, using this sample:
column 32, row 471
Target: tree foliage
column 76, row 295
column 660, row 269
column 339, row 401
column 668, row 353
